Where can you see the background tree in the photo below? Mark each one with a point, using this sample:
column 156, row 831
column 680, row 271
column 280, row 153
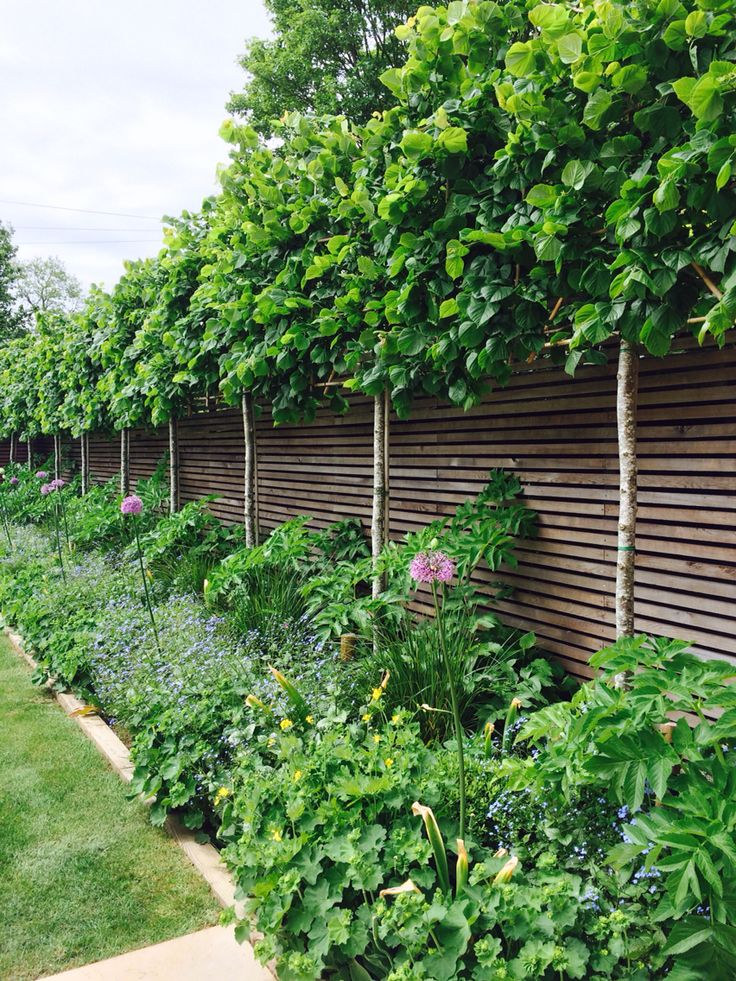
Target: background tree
column 12, row 321
column 44, row 286
column 326, row 57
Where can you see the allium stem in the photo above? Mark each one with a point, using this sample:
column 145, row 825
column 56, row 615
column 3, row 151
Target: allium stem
column 58, row 539
column 63, row 514
column 6, row 523
column 145, row 583
column 459, row 734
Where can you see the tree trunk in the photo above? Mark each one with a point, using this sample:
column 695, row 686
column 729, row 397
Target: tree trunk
column 379, row 523
column 29, row 452
column 173, row 466
column 11, row 450
column 626, row 405
column 57, row 456
column 124, row 462
column 250, row 487
column 84, row 456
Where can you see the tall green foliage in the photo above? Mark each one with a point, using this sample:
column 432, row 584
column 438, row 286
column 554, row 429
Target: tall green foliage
column 549, row 176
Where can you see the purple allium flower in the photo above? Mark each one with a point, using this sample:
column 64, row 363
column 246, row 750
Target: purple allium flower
column 42, row 474
column 132, row 504
column 46, row 489
column 432, row 567
column 13, row 481
column 57, row 484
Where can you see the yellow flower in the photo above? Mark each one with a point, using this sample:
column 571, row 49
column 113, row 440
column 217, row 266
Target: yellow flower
column 276, row 835
column 376, row 694
column 310, row 719
column 366, row 717
column 516, row 703
column 388, row 761
column 376, row 738
column 221, row 794
column 396, row 718
column 286, row 724
column 271, row 741
column 297, row 775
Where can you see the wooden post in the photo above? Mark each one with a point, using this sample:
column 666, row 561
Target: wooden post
column 626, row 405
column 250, row 485
column 124, row 462
column 173, row 466
column 379, row 523
column 57, row 456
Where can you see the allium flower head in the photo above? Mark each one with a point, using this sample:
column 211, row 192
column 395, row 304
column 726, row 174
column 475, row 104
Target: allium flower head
column 432, row 567
column 41, row 474
column 13, row 481
column 132, row 504
column 57, row 484
column 46, row 489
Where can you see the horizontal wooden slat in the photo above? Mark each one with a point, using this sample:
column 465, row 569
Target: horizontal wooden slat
column 558, row 435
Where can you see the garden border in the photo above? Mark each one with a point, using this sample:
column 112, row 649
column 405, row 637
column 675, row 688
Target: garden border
column 204, row 857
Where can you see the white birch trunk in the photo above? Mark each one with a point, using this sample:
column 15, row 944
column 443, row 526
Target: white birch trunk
column 84, row 456
column 11, row 450
column 173, row 466
column 124, row 462
column 29, row 452
column 626, row 406
column 250, row 482
column 379, row 523
column 57, row 456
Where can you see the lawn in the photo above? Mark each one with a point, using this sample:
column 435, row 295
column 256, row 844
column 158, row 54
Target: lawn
column 84, row 875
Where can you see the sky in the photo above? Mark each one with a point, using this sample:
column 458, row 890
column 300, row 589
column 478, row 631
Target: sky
column 113, row 107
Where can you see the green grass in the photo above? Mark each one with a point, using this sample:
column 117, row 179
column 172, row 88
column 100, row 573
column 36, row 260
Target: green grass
column 83, row 875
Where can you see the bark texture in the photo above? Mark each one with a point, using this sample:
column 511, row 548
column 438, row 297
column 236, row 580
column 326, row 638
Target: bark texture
column 173, row 466
column 626, row 405
column 11, row 450
column 29, row 453
column 379, row 523
column 250, row 484
column 84, row 457
column 57, row 457
column 124, row 462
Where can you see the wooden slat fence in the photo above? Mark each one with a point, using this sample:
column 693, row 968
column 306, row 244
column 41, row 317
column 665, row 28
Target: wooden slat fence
column 559, row 435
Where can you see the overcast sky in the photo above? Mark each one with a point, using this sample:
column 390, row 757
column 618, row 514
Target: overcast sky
column 113, row 107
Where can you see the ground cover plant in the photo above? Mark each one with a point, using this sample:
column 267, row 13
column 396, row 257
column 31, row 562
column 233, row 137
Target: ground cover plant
column 85, row 876
column 575, row 836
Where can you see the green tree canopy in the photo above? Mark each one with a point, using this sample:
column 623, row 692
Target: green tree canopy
column 12, row 319
column 326, row 57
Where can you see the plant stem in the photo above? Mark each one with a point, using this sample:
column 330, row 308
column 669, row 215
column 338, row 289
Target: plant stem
column 6, row 523
column 58, row 539
column 145, row 584
column 459, row 735
column 63, row 514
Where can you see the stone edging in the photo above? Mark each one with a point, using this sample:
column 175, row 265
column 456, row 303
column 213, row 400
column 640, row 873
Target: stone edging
column 204, row 857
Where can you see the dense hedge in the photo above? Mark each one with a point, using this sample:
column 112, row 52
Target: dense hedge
column 550, row 175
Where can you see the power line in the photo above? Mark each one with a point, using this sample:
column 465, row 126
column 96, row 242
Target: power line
column 101, row 241
column 81, row 211
column 73, row 228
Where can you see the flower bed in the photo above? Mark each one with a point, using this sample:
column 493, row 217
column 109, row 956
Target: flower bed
column 575, row 837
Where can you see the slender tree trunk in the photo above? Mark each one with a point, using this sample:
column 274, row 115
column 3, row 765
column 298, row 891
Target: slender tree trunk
column 84, row 455
column 250, row 487
column 379, row 523
column 124, row 462
column 57, row 456
column 29, row 452
column 173, row 466
column 11, row 451
column 626, row 405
